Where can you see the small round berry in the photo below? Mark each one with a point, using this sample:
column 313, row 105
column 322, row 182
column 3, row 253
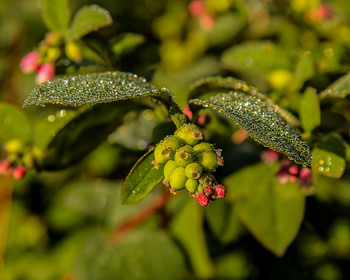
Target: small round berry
column 178, row 178
column 219, row 191
column 191, row 185
column 193, row 170
column 184, row 156
column 5, row 167
column 19, row 172
column 169, row 168
column 190, row 134
column 208, row 160
column 202, row 199
column 203, row 147
column 165, row 150
column 14, row 146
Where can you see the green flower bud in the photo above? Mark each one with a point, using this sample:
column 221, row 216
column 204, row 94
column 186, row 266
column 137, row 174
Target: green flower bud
column 191, row 185
column 165, row 150
column 203, row 147
column 193, row 170
column 169, row 168
column 184, row 156
column 14, row 146
column 178, row 178
column 190, row 134
column 208, row 160
column 206, row 180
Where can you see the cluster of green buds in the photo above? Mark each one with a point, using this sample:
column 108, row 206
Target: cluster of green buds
column 18, row 158
column 188, row 164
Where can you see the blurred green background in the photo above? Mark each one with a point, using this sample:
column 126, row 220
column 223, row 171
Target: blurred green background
column 70, row 224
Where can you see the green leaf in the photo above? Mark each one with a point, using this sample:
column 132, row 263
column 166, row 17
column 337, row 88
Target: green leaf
column 339, row 89
column 209, row 86
column 56, row 14
column 329, row 157
column 303, row 72
column 141, row 180
column 88, row 19
column 309, row 110
column 13, row 124
column 127, row 41
column 272, row 212
column 94, row 88
column 224, row 221
column 256, row 57
column 261, row 119
column 187, row 227
column 103, row 87
column 83, row 134
column 144, row 255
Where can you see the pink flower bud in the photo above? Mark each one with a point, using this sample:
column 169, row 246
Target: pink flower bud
column 219, row 191
column 187, row 112
column 46, row 72
column 196, row 7
column 283, row 174
column 19, row 172
column 305, row 177
column 30, row 62
column 293, row 169
column 5, row 167
column 202, row 199
column 270, row 156
column 207, row 22
column 203, row 120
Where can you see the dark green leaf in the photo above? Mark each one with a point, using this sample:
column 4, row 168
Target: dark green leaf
column 56, row 14
column 309, row 110
column 224, row 221
column 141, row 180
column 262, row 121
column 187, row 227
column 84, row 133
column 339, row 89
column 13, row 124
column 88, row 19
column 271, row 211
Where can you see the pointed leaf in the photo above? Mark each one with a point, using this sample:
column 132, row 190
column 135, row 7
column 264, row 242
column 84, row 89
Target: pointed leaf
column 257, row 57
column 141, row 180
column 187, row 227
column 56, row 14
column 83, row 134
column 209, row 86
column 271, row 211
column 339, row 89
column 88, row 19
column 303, row 72
column 262, row 121
column 13, row 124
column 309, row 110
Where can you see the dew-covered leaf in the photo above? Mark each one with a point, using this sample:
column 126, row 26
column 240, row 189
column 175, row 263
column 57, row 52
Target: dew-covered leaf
column 13, row 124
column 102, row 87
column 141, row 180
column 88, row 19
column 339, row 89
column 309, row 110
column 262, row 121
column 83, row 134
column 209, row 86
column 271, row 211
column 56, row 14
